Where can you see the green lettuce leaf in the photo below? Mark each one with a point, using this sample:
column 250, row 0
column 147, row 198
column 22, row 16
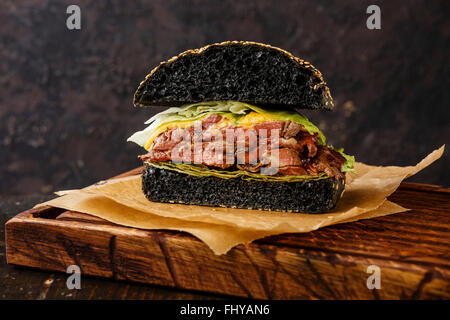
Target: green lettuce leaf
column 204, row 171
column 348, row 166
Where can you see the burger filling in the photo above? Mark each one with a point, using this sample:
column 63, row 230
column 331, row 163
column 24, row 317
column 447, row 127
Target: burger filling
column 229, row 138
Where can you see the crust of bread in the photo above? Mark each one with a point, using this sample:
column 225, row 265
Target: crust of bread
column 329, row 100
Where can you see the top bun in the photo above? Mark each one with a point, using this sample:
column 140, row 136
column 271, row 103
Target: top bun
column 244, row 71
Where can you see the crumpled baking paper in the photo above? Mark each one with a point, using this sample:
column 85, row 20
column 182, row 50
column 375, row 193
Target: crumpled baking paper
column 121, row 201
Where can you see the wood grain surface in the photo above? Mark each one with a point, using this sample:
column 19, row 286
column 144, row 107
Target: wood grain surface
column 24, row 283
column 411, row 249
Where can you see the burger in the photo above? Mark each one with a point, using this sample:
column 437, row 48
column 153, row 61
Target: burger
column 233, row 134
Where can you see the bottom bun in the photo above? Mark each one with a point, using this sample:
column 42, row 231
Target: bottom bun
column 309, row 196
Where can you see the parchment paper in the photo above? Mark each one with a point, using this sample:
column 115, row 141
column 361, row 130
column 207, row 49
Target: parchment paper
column 121, row 201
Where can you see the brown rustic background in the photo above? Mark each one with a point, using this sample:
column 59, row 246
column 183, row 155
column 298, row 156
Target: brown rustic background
column 65, row 96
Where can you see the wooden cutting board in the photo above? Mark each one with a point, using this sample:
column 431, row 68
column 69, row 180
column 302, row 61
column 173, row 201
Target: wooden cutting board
column 411, row 249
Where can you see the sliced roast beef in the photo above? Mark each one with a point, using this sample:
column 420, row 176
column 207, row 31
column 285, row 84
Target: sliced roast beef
column 291, row 129
column 305, row 144
column 293, row 171
column 250, row 167
column 156, row 156
column 210, row 120
column 295, row 153
column 328, row 161
column 213, row 155
column 288, row 157
column 266, row 128
column 170, row 138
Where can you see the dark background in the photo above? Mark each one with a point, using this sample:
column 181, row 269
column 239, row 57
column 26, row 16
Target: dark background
column 66, row 96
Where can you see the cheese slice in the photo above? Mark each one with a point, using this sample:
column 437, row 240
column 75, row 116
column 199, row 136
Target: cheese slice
column 167, row 126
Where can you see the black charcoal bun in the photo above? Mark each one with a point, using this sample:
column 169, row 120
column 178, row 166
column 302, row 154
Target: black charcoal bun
column 243, row 71
column 311, row 196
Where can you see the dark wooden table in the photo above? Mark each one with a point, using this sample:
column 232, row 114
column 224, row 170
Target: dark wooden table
column 428, row 220
column 26, row 283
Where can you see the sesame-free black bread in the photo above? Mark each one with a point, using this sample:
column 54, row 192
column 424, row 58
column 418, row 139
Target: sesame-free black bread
column 309, row 196
column 249, row 72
